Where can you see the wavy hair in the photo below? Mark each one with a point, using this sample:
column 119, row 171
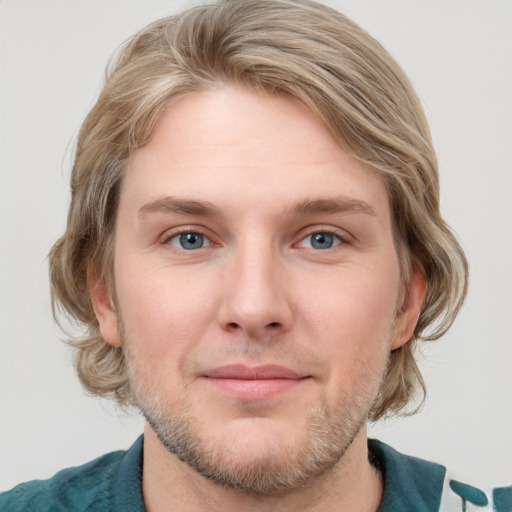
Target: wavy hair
column 307, row 52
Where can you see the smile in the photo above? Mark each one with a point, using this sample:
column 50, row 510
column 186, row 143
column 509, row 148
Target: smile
column 253, row 383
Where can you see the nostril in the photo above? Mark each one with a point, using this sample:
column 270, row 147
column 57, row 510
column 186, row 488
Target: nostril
column 274, row 324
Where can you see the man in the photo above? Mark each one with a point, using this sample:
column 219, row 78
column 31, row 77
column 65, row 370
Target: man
column 254, row 244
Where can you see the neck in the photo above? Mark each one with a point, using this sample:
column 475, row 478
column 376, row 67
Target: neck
column 170, row 485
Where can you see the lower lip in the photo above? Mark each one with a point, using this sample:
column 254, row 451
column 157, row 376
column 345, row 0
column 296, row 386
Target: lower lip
column 254, row 389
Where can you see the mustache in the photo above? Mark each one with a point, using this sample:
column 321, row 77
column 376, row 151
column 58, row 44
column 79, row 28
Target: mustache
column 299, row 359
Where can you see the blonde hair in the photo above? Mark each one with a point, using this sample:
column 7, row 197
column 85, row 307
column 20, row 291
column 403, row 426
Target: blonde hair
column 307, row 52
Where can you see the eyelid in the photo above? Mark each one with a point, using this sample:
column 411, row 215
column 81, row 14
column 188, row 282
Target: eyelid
column 176, row 241
column 344, row 237
column 169, row 234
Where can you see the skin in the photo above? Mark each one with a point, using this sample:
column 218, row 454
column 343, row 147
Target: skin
column 297, row 268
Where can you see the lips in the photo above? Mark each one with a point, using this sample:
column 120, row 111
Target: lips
column 253, row 383
column 252, row 373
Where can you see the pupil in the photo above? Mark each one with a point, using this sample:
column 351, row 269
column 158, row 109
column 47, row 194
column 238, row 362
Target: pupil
column 191, row 241
column 322, row 241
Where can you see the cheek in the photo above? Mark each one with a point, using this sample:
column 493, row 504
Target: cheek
column 352, row 318
column 163, row 310
column 355, row 301
column 163, row 326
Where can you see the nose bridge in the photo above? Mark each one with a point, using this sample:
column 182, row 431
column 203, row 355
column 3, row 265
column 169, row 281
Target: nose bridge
column 254, row 299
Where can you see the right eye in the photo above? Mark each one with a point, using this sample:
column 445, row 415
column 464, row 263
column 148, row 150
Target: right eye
column 189, row 241
column 321, row 240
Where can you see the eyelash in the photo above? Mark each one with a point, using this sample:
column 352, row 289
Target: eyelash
column 186, row 231
column 342, row 239
column 327, row 231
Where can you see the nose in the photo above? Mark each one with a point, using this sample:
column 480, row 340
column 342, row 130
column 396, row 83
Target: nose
column 257, row 296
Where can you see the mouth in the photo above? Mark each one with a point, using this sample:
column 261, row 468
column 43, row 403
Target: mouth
column 253, row 383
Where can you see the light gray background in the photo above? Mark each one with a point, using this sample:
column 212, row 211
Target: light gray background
column 458, row 55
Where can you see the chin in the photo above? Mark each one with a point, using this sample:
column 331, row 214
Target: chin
column 258, row 456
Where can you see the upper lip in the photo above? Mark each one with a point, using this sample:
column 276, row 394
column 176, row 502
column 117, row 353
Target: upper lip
column 243, row 372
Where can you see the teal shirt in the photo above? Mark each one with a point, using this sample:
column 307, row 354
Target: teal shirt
column 113, row 483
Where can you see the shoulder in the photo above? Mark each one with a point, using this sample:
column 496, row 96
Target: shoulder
column 413, row 484
column 91, row 486
column 82, row 486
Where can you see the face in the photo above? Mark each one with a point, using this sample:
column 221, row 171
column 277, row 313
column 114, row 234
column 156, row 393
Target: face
column 257, row 286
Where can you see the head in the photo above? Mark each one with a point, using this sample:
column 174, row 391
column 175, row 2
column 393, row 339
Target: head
column 289, row 51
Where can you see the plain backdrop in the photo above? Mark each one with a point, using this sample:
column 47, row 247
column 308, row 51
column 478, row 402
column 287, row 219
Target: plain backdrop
column 457, row 54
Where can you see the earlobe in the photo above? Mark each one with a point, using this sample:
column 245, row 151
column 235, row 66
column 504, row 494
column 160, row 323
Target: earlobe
column 407, row 317
column 103, row 308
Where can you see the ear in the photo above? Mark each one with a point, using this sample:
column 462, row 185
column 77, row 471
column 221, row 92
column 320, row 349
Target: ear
column 408, row 315
column 103, row 308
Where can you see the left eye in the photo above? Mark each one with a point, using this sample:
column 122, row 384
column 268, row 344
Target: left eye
column 189, row 241
column 321, row 240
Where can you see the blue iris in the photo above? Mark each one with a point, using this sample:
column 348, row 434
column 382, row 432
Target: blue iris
column 190, row 241
column 322, row 240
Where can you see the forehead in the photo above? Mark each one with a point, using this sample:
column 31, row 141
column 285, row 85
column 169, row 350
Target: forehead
column 228, row 144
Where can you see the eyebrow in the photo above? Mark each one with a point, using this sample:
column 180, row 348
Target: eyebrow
column 340, row 204
column 181, row 206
